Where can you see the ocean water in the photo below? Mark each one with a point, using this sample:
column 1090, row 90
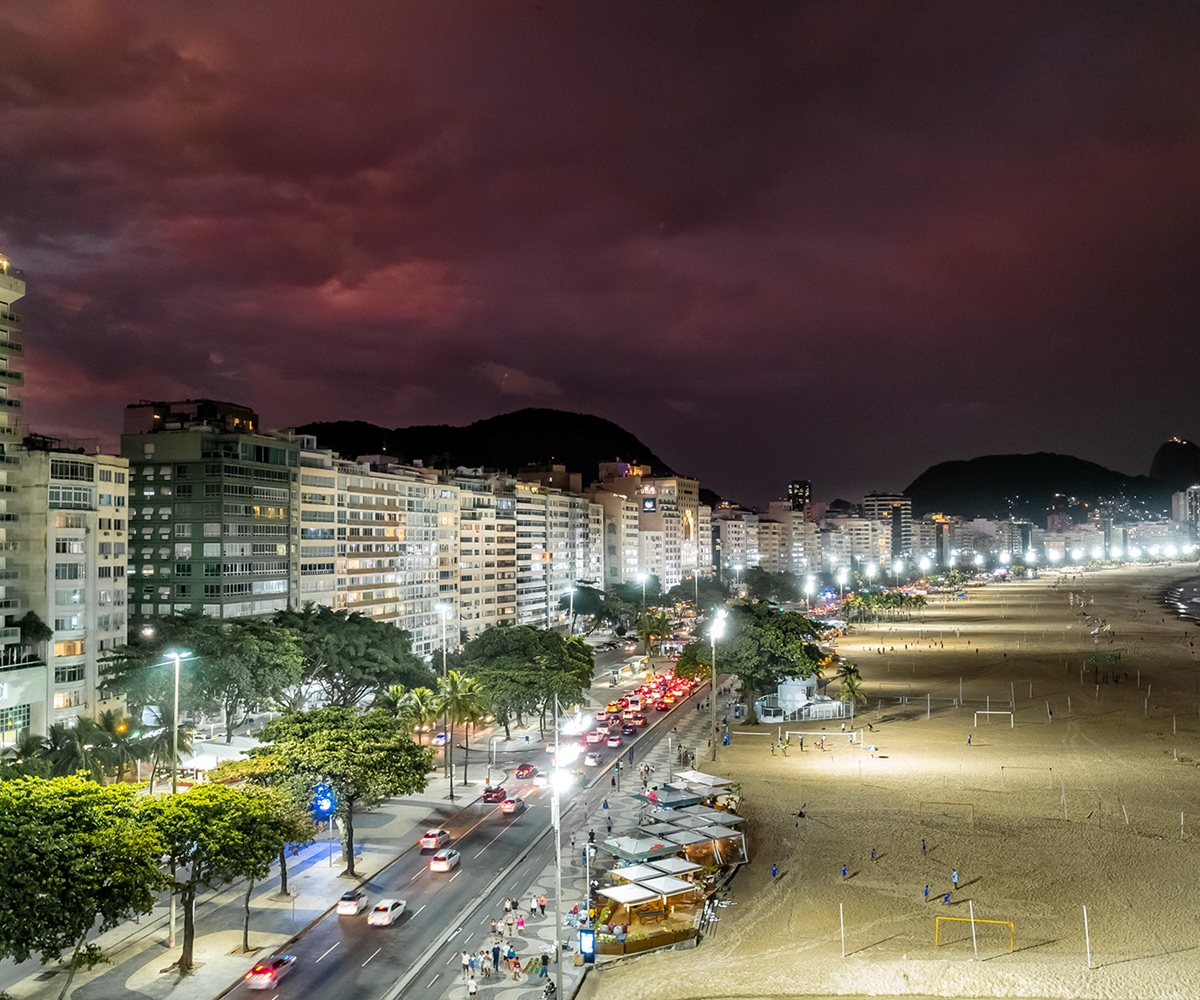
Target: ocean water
column 1183, row 597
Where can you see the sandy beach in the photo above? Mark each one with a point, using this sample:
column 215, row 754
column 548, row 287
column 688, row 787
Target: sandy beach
column 1075, row 801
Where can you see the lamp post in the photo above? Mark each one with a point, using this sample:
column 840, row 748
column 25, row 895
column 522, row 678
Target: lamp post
column 670, row 761
column 716, row 631
column 645, row 634
column 871, row 570
column 571, row 612
column 897, row 569
column 176, row 655
column 558, row 780
column 809, row 584
column 841, row 579
column 492, row 755
column 443, row 612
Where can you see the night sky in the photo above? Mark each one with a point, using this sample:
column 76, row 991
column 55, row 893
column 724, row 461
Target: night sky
column 836, row 241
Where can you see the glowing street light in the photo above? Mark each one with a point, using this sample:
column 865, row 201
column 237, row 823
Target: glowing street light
column 841, row 579
column 925, row 564
column 716, row 630
column 872, row 569
column 978, row 560
column 897, row 569
column 176, row 655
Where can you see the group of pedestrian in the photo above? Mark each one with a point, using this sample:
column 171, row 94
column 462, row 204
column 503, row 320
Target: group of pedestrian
column 501, row 954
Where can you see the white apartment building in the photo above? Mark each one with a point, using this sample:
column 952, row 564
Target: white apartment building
column 774, row 545
column 855, row 542
column 896, row 510
column 736, row 537
column 533, row 554
column 70, row 555
column 619, row 546
column 652, row 554
column 12, row 352
column 487, row 556
column 705, row 567
column 1185, row 507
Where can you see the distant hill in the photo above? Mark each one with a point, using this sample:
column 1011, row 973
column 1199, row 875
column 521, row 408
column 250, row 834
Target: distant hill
column 1030, row 487
column 506, row 442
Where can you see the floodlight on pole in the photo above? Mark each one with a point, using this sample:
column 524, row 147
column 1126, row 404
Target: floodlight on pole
column 177, row 655
column 716, row 631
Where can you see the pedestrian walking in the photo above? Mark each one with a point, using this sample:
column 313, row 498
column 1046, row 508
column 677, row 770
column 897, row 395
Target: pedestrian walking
column 572, row 841
column 496, row 955
column 507, row 905
column 533, row 906
column 591, row 836
column 968, row 739
column 783, row 746
column 542, row 904
column 466, row 963
column 926, row 894
column 873, row 858
column 493, row 925
column 923, row 847
column 843, row 873
column 472, row 987
column 772, row 749
column 474, row 964
column 774, row 872
column 521, row 926
column 954, row 878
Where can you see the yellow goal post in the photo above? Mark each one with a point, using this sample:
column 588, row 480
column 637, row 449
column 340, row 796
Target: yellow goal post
column 1011, row 925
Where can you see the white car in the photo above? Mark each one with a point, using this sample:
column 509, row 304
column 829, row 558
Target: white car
column 592, row 760
column 352, row 903
column 385, row 913
column 268, row 972
column 595, row 736
column 443, row 861
column 433, row 839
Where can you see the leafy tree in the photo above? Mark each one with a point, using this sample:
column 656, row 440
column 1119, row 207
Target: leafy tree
column 24, row 758
column 588, row 602
column 630, row 592
column 695, row 662
column 461, row 699
column 157, row 746
column 712, row 594
column 215, row 834
column 420, row 707
column 74, row 858
column 764, row 586
column 363, row 758
column 653, row 627
column 501, row 660
column 764, row 645
column 349, row 656
column 141, row 671
column 254, row 659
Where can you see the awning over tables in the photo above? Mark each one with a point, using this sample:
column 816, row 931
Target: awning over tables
column 637, row 873
column 700, row 778
column 639, row 848
column 662, row 829
column 628, row 895
column 685, row 838
column 668, row 885
column 671, row 798
column 719, row 816
column 674, row 866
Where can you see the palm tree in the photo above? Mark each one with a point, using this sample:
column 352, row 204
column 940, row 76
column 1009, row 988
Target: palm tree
column 460, row 699
column 421, row 705
column 851, row 684
column 156, row 746
column 27, row 756
column 392, row 700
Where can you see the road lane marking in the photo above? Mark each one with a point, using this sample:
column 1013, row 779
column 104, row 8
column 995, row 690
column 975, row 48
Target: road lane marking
column 419, row 872
column 329, row 949
column 432, row 981
column 449, row 960
column 414, row 916
column 373, row 954
column 455, row 875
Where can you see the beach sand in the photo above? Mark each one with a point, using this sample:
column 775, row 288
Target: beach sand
column 1079, row 810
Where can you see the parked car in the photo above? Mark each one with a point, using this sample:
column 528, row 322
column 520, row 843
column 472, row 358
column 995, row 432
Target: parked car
column 512, row 807
column 433, row 839
column 385, row 913
column 495, row 793
column 443, row 861
column 526, row 771
column 267, row 973
column 353, row 902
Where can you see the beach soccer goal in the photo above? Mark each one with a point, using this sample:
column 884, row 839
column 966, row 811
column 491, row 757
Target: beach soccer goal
column 930, row 806
column 1012, row 722
column 937, row 928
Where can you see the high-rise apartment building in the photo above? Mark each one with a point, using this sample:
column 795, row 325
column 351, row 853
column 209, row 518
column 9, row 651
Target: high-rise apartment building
column 71, row 559
column 896, row 510
column 799, row 494
column 487, row 585
column 12, row 352
column 212, row 510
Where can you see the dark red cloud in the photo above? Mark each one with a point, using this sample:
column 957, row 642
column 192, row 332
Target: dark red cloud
column 839, row 242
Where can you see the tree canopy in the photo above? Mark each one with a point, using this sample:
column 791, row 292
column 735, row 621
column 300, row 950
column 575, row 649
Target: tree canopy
column 363, row 758
column 349, row 656
column 764, row 586
column 74, row 857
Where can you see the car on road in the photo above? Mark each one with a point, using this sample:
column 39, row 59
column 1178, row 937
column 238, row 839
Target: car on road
column 638, row 720
column 512, row 807
column 433, row 839
column 495, row 793
column 443, row 861
column 353, row 902
column 440, row 739
column 602, row 729
column 526, row 771
column 629, row 729
column 613, row 741
column 592, row 760
column 385, row 913
column 613, row 708
column 661, row 706
column 267, row 973
column 595, row 736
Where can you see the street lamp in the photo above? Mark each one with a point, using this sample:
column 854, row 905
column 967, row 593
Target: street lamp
column 872, row 569
column 898, row 568
column 559, row 779
column 925, row 564
column 717, row 630
column 492, row 756
column 841, row 579
column 645, row 634
column 571, row 613
column 443, row 612
column 809, row 584
column 176, row 655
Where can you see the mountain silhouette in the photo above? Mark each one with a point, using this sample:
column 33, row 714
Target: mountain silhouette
column 1030, row 487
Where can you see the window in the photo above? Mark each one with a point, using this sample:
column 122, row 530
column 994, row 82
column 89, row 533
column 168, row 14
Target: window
column 104, row 475
column 118, row 500
column 212, row 530
column 212, row 590
column 183, row 550
column 69, row 647
column 104, row 572
column 119, row 477
column 105, row 500
column 183, row 569
column 104, row 549
column 65, row 598
column 71, row 545
column 212, row 550
column 68, row 571
column 67, row 699
column 71, row 674
column 70, row 497
column 15, row 719
column 183, row 531
column 69, row 469
column 69, row 624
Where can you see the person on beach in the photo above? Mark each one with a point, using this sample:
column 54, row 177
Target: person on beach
column 843, row 873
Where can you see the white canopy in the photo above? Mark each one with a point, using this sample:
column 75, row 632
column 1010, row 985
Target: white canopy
column 628, row 894
column 675, row 866
column 700, row 778
column 637, row 873
column 668, row 885
column 711, row 815
column 685, row 837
